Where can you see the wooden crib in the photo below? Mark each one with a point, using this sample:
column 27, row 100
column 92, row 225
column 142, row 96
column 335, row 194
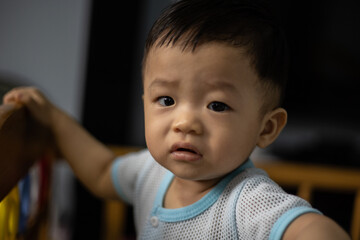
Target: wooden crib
column 25, row 147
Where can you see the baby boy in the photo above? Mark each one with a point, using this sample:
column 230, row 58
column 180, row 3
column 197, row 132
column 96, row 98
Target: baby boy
column 214, row 74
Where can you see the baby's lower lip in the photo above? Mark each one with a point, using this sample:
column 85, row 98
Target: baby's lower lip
column 185, row 156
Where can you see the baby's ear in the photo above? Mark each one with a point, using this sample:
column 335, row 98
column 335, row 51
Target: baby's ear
column 273, row 123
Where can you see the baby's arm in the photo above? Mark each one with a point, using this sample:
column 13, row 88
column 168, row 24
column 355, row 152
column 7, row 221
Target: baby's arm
column 90, row 159
column 314, row 226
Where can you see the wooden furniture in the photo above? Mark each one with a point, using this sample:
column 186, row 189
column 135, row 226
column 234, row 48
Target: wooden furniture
column 22, row 142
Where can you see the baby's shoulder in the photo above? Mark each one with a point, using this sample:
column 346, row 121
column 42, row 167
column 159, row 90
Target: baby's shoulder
column 250, row 178
column 254, row 184
column 259, row 203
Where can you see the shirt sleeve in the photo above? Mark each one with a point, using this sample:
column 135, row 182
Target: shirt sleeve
column 288, row 217
column 265, row 210
column 125, row 171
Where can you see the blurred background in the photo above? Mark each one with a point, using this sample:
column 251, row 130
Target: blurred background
column 85, row 55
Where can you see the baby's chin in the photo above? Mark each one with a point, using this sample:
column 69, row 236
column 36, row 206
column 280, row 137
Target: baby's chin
column 199, row 177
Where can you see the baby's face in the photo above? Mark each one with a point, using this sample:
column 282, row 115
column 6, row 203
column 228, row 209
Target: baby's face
column 202, row 109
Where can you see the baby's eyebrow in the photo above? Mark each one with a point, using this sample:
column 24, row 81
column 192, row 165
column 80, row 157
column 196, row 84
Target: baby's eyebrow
column 222, row 85
column 163, row 82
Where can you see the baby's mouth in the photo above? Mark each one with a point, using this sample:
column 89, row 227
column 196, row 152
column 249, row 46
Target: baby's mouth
column 184, row 147
column 185, row 152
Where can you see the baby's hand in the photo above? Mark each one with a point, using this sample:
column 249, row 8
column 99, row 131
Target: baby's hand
column 39, row 106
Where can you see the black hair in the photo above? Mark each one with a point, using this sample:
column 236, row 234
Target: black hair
column 241, row 23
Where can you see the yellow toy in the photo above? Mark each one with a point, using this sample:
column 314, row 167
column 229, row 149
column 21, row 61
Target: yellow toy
column 9, row 215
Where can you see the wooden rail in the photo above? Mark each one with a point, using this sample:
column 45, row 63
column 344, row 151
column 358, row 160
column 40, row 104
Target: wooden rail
column 22, row 141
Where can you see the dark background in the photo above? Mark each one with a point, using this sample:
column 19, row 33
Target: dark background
column 322, row 96
column 112, row 42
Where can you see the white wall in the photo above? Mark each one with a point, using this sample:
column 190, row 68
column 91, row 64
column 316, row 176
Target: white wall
column 44, row 42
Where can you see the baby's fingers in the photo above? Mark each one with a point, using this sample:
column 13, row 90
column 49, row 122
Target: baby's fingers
column 34, row 100
column 12, row 96
column 23, row 95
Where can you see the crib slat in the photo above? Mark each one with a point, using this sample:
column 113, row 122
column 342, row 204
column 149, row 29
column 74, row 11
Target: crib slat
column 22, row 141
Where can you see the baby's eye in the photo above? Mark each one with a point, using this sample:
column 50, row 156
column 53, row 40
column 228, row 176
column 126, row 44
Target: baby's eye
column 166, row 101
column 218, row 106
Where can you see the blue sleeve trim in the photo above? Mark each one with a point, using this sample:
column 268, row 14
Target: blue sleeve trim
column 288, row 217
column 115, row 180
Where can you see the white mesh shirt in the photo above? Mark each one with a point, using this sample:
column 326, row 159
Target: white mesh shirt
column 246, row 204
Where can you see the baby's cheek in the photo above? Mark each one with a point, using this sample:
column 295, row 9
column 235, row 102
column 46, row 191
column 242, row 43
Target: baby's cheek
column 156, row 150
column 153, row 138
column 234, row 148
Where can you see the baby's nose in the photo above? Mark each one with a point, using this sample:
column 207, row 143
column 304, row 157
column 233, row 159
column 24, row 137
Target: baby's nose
column 188, row 122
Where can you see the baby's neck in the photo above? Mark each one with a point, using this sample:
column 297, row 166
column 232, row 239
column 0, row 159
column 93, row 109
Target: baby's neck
column 182, row 193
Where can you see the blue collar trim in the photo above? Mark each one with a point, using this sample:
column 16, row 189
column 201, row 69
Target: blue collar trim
column 184, row 213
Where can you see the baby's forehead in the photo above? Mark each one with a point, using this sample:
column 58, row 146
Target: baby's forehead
column 216, row 61
column 186, row 47
column 211, row 66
